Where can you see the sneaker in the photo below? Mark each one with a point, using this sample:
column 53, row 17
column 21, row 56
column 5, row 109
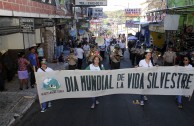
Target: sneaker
column 21, row 88
column 32, row 86
column 180, row 106
column 93, row 106
column 145, row 98
column 136, row 102
column 142, row 103
column 97, row 102
column 43, row 110
column 49, row 104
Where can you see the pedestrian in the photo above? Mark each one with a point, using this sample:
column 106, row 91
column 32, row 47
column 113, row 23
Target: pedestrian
column 86, row 49
column 186, row 64
column 169, row 57
column 115, row 58
column 80, row 55
column 102, row 49
column 72, row 60
column 146, row 62
column 40, row 52
column 122, row 46
column 22, row 70
column 95, row 66
column 44, row 68
column 33, row 65
column 61, row 58
column 8, row 65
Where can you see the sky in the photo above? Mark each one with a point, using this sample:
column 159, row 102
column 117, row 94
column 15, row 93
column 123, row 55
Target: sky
column 122, row 4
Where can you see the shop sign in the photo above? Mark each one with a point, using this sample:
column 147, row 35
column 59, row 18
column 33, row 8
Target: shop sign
column 95, row 12
column 131, row 24
column 132, row 12
column 91, row 2
column 48, row 22
column 27, row 24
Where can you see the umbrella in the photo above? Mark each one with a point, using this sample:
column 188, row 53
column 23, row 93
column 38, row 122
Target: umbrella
column 132, row 38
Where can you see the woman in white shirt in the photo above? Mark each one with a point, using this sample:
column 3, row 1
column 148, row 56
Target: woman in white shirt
column 95, row 66
column 147, row 62
column 186, row 64
column 44, row 68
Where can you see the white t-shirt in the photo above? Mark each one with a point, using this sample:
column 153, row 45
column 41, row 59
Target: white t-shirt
column 79, row 52
column 189, row 66
column 122, row 45
column 86, row 47
column 48, row 69
column 143, row 63
column 94, row 68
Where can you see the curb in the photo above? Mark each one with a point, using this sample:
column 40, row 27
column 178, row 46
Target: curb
column 17, row 117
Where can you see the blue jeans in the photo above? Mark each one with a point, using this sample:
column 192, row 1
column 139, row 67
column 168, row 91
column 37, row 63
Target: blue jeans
column 44, row 105
column 141, row 97
column 94, row 100
column 179, row 99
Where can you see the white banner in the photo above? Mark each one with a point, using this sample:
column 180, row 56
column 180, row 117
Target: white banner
column 148, row 81
column 91, row 2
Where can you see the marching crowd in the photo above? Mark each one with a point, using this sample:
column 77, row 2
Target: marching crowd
column 93, row 54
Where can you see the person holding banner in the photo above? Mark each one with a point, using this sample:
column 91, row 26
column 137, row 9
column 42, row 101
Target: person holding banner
column 186, row 64
column 95, row 66
column 44, row 68
column 147, row 62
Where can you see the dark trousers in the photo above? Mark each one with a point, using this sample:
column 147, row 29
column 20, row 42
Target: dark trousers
column 40, row 60
column 132, row 57
column 102, row 54
column 9, row 74
column 79, row 65
column 32, row 77
column 123, row 51
column 115, row 65
column 2, row 83
column 72, row 67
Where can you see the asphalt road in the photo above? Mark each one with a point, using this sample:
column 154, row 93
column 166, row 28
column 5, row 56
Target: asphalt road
column 113, row 110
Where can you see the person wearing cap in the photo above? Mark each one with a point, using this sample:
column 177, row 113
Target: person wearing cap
column 116, row 58
column 146, row 62
column 33, row 63
column 44, row 68
column 169, row 57
column 72, row 60
column 22, row 70
column 95, row 66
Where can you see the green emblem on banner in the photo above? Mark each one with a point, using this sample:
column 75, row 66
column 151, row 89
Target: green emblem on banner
column 51, row 84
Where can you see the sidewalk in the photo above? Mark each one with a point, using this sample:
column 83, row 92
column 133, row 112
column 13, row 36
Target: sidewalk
column 14, row 102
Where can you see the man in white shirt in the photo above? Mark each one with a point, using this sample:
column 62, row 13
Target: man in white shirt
column 122, row 46
column 86, row 49
column 80, row 55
